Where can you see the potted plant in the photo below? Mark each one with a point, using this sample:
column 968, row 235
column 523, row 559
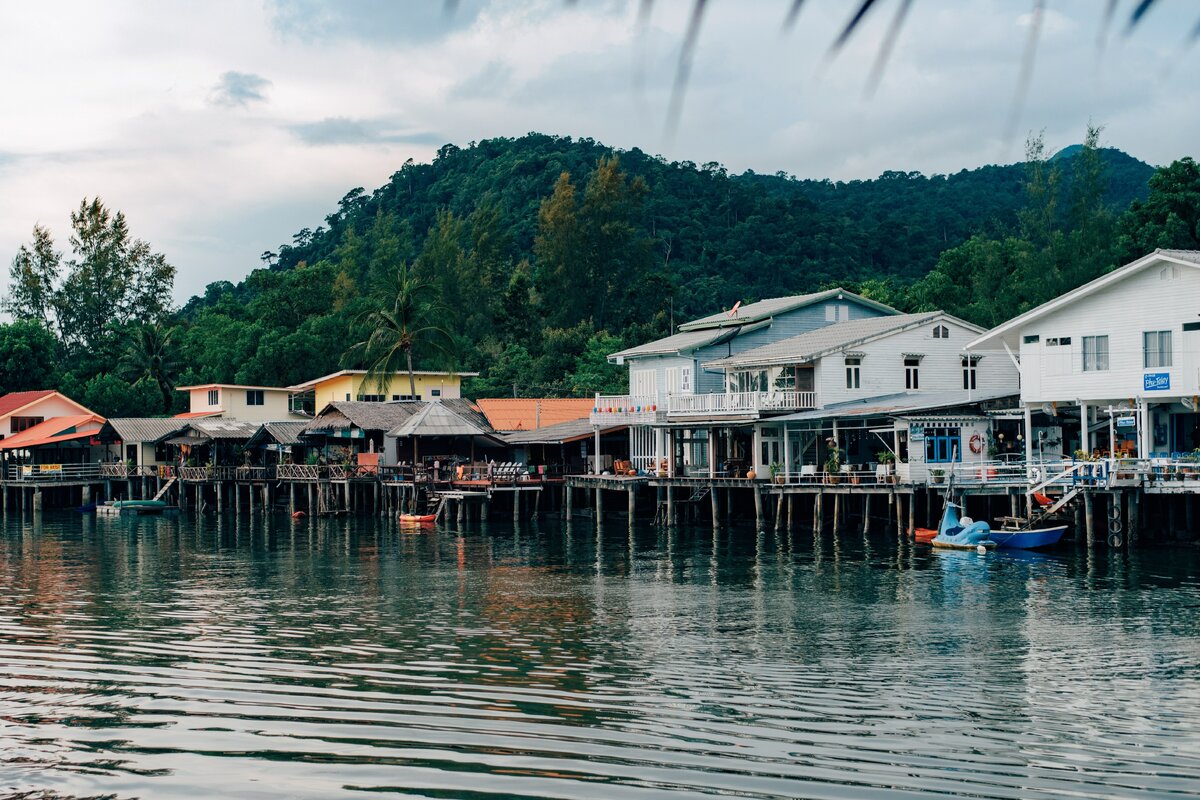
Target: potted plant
column 751, row 474
column 833, row 467
column 776, row 470
column 937, row 475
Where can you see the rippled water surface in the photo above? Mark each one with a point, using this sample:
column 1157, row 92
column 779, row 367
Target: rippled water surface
column 171, row 657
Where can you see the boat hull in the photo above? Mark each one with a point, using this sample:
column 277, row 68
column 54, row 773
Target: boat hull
column 1029, row 540
column 924, row 535
column 988, row 543
column 418, row 519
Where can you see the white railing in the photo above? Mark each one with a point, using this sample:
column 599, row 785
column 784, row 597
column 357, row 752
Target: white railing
column 41, row 473
column 624, row 408
column 739, row 403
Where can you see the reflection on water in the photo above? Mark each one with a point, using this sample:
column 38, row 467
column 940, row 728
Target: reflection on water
column 176, row 657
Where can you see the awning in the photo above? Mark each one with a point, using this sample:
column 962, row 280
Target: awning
column 193, row 441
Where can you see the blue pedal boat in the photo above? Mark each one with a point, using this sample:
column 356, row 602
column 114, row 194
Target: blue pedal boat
column 961, row 534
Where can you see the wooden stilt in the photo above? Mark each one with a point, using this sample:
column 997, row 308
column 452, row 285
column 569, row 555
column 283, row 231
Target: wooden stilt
column 912, row 523
column 632, row 501
column 758, row 507
column 716, row 507
column 867, row 513
column 670, row 505
column 779, row 512
column 599, row 506
column 1089, row 517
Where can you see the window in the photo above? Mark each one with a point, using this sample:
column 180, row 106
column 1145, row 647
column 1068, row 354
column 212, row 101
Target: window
column 968, row 368
column 398, row 398
column 837, row 312
column 1060, row 341
column 673, row 380
column 254, row 397
column 912, row 376
column 1171, row 273
column 435, row 392
column 941, row 332
column 23, row 423
column 214, row 397
column 1095, row 353
column 942, row 445
column 1156, row 349
column 1191, row 326
column 347, row 395
column 641, row 383
column 1034, row 339
column 853, row 373
column 372, row 398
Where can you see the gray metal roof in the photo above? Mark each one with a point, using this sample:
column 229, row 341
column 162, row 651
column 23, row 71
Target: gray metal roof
column 895, row 405
column 436, row 419
column 679, row 342
column 831, row 338
column 1182, row 255
column 141, row 429
column 284, row 433
column 556, row 434
column 219, row 428
column 752, row 312
column 383, row 417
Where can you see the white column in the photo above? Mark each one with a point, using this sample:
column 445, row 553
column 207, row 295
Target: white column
column 787, row 451
column 1028, row 439
column 1085, row 435
column 1145, row 432
column 596, row 456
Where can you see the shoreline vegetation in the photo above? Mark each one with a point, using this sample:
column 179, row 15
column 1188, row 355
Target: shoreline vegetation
column 536, row 257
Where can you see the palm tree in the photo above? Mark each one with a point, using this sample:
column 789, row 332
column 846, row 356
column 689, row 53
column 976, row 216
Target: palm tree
column 411, row 322
column 151, row 356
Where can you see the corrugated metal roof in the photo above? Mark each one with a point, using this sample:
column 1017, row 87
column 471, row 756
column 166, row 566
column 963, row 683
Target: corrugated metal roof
column 556, row 434
column 752, row 312
column 531, row 413
column 224, row 428
column 436, row 420
column 284, row 433
column 897, row 404
column 679, row 342
column 383, row 417
column 831, row 338
column 140, row 429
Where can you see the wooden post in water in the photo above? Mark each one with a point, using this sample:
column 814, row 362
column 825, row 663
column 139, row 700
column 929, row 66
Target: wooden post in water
column 867, row 512
column 1134, row 517
column 1089, row 517
column 599, row 506
column 632, row 501
column 716, row 507
column 912, row 524
column 837, row 511
column 818, row 510
column 779, row 512
column 568, row 497
column 670, row 505
column 758, row 507
column 791, row 503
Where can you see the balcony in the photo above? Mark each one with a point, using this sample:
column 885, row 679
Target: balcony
column 741, row 404
column 625, row 409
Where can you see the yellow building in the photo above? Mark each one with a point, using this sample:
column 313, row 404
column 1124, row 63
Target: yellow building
column 353, row 385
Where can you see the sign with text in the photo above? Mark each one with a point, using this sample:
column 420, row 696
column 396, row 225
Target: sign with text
column 1126, row 422
column 1156, row 381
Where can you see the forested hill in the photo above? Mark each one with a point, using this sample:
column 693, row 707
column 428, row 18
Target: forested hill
column 724, row 237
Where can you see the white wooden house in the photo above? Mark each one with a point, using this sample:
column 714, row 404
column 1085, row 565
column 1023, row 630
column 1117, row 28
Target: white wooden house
column 1114, row 364
column 670, row 386
column 875, row 367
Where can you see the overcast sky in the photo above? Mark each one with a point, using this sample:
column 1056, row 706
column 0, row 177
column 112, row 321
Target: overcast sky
column 221, row 128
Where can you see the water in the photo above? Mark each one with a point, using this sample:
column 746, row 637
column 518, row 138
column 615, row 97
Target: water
column 164, row 658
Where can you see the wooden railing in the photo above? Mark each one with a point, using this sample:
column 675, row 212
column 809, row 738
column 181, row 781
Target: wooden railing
column 43, row 473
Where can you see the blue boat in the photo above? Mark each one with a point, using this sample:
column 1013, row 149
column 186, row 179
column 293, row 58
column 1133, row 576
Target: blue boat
column 961, row 534
column 1028, row 539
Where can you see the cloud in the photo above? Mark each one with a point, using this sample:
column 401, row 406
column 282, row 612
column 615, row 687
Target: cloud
column 378, row 21
column 345, row 130
column 239, row 89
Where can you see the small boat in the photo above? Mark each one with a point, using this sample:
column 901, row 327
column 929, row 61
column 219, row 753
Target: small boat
column 961, row 534
column 418, row 519
column 924, row 535
column 132, row 507
column 1028, row 539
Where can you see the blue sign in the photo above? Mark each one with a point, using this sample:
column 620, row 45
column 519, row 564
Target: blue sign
column 1156, row 381
column 1126, row 422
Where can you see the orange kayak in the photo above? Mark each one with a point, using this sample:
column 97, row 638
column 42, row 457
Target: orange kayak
column 924, row 535
column 415, row 519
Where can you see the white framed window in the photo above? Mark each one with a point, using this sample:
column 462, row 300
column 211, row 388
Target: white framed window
column 1095, row 353
column 673, row 380
column 968, row 371
column 214, row 397
column 254, row 397
column 941, row 332
column 853, row 373
column 837, row 312
column 1156, row 349
column 912, row 373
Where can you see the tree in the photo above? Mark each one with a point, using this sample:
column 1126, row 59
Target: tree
column 110, row 280
column 28, row 356
column 409, row 324
column 32, row 277
column 150, row 356
column 1168, row 218
column 109, row 396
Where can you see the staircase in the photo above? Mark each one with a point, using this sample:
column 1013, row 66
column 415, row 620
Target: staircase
column 165, row 488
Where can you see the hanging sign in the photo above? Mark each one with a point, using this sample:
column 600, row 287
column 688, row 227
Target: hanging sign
column 916, row 433
column 1156, row 381
column 1126, row 422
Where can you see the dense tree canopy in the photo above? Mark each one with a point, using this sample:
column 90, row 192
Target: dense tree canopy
column 540, row 255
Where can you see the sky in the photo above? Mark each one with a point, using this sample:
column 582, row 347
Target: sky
column 221, row 128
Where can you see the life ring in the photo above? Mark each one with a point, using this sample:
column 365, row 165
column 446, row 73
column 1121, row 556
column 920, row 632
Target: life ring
column 976, row 443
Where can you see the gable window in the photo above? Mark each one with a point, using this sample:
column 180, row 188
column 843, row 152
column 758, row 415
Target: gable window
column 912, row 373
column 853, row 373
column 968, row 367
column 941, row 332
column 1156, row 349
column 1095, row 353
column 837, row 312
column 254, row 397
column 214, row 397
column 942, row 445
column 23, row 423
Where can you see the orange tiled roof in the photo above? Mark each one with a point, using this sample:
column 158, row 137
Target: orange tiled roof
column 531, row 413
column 14, row 400
column 56, row 429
